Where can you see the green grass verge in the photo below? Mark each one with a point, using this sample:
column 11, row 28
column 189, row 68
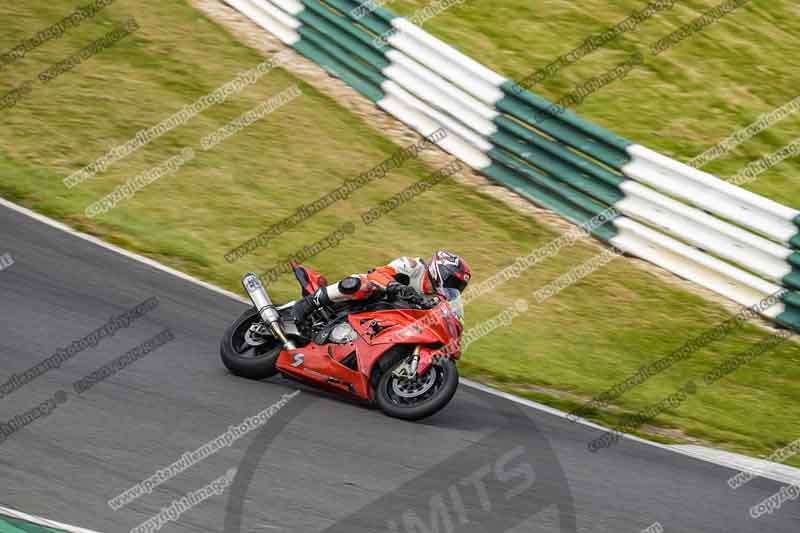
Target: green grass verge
column 15, row 525
column 580, row 342
column 680, row 103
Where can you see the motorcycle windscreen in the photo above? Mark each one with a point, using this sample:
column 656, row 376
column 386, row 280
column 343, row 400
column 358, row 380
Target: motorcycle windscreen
column 309, row 280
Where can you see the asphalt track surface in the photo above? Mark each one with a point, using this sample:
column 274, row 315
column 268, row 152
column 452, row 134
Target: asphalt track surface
column 320, row 464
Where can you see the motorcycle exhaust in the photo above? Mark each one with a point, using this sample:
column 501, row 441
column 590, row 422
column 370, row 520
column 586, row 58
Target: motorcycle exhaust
column 266, row 309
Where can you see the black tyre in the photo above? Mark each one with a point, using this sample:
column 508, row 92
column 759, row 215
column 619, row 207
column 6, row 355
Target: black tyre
column 247, row 354
column 415, row 399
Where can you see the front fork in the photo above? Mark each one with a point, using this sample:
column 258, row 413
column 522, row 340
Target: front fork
column 421, row 360
column 409, row 370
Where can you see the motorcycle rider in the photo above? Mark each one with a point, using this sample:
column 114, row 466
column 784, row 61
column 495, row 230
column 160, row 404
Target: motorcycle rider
column 403, row 278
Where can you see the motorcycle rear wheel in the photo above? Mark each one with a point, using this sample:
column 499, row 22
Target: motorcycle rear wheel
column 418, row 398
column 242, row 357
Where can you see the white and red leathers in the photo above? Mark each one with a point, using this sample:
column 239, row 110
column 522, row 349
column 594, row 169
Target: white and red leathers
column 401, row 276
column 411, row 271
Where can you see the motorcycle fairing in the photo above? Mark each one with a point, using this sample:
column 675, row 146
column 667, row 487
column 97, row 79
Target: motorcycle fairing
column 378, row 331
column 400, row 326
column 322, row 364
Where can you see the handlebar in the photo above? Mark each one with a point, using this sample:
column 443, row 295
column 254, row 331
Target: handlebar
column 426, row 302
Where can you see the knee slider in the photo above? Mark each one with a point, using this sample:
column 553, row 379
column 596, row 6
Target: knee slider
column 350, row 285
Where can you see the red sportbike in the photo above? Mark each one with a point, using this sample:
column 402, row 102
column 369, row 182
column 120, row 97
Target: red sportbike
column 399, row 355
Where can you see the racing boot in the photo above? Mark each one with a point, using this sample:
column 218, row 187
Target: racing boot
column 303, row 308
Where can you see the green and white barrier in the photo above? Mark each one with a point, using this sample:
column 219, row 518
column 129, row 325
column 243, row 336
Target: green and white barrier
column 716, row 234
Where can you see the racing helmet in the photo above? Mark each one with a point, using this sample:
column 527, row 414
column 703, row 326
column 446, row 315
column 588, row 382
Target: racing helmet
column 449, row 271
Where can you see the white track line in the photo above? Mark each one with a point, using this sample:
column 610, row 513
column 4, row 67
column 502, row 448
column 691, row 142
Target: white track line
column 42, row 521
column 722, row 460
column 760, row 468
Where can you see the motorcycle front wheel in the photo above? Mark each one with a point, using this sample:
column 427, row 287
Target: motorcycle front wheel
column 249, row 351
column 417, row 397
